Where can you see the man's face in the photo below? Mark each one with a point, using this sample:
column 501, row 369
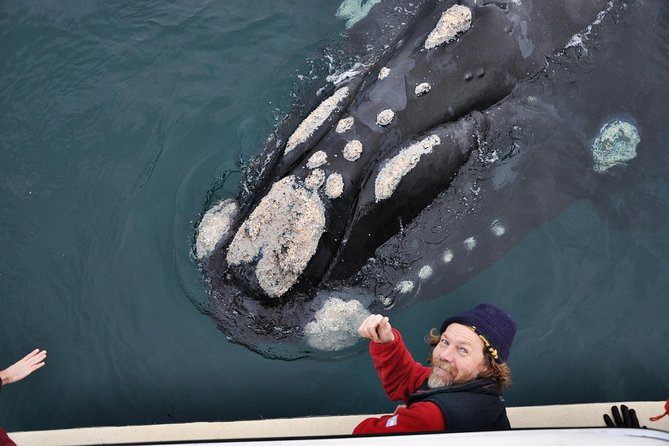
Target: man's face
column 458, row 358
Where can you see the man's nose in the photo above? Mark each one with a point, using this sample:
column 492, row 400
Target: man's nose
column 446, row 353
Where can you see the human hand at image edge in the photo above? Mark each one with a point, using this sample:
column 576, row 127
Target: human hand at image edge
column 23, row 367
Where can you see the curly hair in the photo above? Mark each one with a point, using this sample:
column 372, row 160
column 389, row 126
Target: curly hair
column 499, row 373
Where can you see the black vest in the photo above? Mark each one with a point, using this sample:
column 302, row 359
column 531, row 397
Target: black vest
column 469, row 407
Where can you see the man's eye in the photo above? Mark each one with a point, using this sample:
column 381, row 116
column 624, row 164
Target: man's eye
column 444, row 341
column 464, row 351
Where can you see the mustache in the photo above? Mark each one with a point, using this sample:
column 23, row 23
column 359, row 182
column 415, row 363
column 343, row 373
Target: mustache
column 447, row 366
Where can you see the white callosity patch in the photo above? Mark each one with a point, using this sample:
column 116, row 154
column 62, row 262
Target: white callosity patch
column 385, row 117
column 454, row 20
column 316, row 119
column 284, row 231
column 405, row 286
column 344, row 125
column 214, row 226
column 397, row 167
column 335, row 325
column 616, row 144
column 352, row 150
column 422, row 89
column 315, row 179
column 317, row 159
column 448, row 256
column 387, row 301
column 334, row 186
column 384, row 72
column 425, row 272
column 470, row 243
column 497, row 228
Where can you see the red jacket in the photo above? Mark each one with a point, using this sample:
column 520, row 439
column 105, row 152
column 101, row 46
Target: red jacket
column 401, row 376
column 4, row 439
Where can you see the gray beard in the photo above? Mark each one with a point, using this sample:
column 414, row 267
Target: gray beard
column 435, row 381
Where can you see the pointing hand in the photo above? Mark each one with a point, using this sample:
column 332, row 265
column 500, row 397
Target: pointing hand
column 377, row 328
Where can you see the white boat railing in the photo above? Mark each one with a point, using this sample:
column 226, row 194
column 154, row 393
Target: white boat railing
column 565, row 417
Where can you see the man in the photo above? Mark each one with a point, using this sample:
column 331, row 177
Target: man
column 461, row 391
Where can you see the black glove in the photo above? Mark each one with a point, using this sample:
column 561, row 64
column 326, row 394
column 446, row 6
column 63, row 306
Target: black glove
column 627, row 420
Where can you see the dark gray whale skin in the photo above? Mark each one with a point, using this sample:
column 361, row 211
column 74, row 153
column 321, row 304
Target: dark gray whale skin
column 515, row 112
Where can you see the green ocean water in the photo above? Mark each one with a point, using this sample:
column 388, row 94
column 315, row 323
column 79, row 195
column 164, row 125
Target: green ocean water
column 118, row 120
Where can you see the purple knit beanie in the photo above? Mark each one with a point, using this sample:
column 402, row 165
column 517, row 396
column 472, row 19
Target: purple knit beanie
column 494, row 326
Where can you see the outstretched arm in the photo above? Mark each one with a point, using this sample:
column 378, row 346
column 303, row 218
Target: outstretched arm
column 400, row 375
column 23, row 367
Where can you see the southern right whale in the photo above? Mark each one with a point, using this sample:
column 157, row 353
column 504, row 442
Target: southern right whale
column 466, row 126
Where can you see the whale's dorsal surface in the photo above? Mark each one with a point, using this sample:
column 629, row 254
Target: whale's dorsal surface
column 459, row 129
